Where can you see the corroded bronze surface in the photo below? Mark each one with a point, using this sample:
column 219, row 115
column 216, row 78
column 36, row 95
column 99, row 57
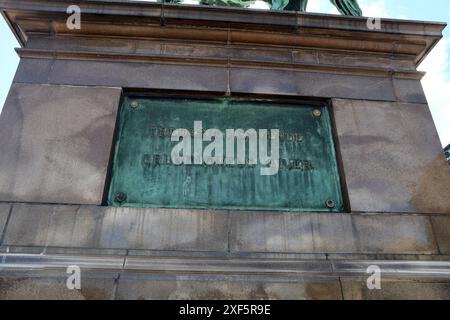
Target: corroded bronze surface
column 303, row 178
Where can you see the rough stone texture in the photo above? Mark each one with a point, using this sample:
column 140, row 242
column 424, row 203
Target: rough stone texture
column 56, row 143
column 394, row 234
column 215, row 50
column 33, row 71
column 189, row 276
column 151, row 287
column 291, row 232
column 395, row 290
column 54, row 288
column 42, row 225
column 164, row 229
column 324, row 85
column 392, row 157
column 364, row 60
column 103, row 227
column 118, row 74
column 225, row 289
column 409, row 91
column 160, row 75
column 441, row 227
column 331, row 233
column 4, row 213
column 219, row 231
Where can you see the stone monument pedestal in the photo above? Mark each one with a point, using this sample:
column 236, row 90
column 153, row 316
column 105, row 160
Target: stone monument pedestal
column 58, row 134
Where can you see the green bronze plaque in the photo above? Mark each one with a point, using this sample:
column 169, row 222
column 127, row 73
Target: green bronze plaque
column 225, row 154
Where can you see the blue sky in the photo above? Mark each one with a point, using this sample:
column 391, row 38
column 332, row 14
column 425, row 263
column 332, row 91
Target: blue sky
column 436, row 83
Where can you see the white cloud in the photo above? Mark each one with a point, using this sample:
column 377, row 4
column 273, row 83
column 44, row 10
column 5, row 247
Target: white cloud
column 374, row 8
column 436, row 84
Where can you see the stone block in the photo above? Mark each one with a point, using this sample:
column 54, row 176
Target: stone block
column 33, row 71
column 392, row 157
column 56, row 143
column 331, row 233
column 54, row 288
column 164, row 229
column 4, row 213
column 228, row 288
column 217, row 231
column 126, row 74
column 260, row 54
column 409, row 90
column 441, row 227
column 365, row 60
column 397, row 290
column 310, row 84
column 42, row 225
column 399, row 234
column 117, row 228
column 291, row 232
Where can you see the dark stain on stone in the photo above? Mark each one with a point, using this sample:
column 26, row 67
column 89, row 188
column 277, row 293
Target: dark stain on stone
column 322, row 291
column 259, row 293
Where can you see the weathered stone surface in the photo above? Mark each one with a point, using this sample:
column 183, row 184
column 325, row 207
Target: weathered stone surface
column 168, row 75
column 214, row 265
column 395, row 290
column 33, row 71
column 219, row 231
column 217, row 50
column 331, row 233
column 164, row 229
column 387, row 256
column 409, row 91
column 43, row 225
column 56, row 143
column 131, row 75
column 4, row 213
column 55, row 288
column 392, row 157
column 394, row 234
column 441, row 227
column 117, row 228
column 224, row 289
column 259, row 54
column 74, row 251
column 352, row 59
column 305, row 56
column 324, row 85
column 69, row 43
column 291, row 232
column 195, row 51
